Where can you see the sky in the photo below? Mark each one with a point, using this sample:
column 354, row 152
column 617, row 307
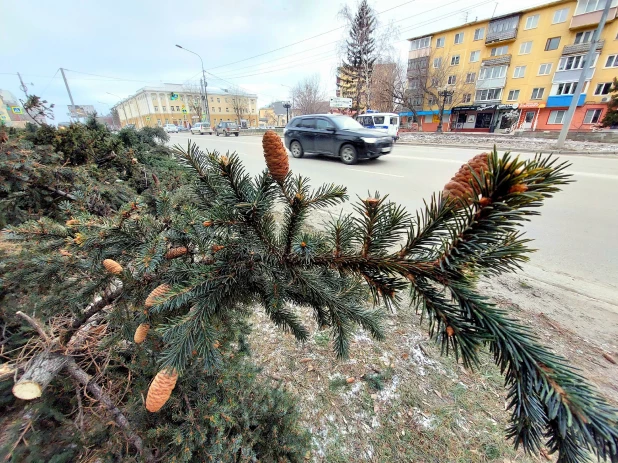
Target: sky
column 262, row 47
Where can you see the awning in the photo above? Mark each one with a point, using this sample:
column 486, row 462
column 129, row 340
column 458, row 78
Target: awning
column 466, row 108
column 424, row 113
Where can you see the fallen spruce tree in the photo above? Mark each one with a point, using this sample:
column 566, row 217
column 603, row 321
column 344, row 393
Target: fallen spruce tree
column 174, row 287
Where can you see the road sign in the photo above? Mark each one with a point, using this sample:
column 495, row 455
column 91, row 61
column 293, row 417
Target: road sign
column 3, row 117
column 341, row 102
column 83, row 110
column 148, row 118
column 184, row 111
column 174, row 96
column 17, row 110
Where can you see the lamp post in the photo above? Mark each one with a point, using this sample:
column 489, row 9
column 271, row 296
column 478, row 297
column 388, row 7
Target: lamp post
column 444, row 94
column 292, row 93
column 126, row 119
column 205, row 94
column 287, row 107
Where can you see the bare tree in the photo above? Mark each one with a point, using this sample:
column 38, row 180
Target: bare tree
column 440, row 82
column 240, row 105
column 194, row 99
column 309, row 96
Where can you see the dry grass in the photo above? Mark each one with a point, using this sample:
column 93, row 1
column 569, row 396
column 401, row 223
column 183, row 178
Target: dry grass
column 406, row 403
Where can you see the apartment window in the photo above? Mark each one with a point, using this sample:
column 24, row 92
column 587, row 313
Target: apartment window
column 417, row 101
column 440, row 42
column 435, row 81
column 454, row 60
column 431, row 101
column 479, row 34
column 156, row 108
column 219, row 101
column 474, row 56
column 552, row 44
column 545, row 69
column 437, row 62
column 413, row 84
column 571, row 62
column 470, row 77
column 493, row 72
column 525, row 48
column 167, row 121
column 448, row 99
column 219, row 106
column 467, row 98
column 459, row 37
column 537, row 93
column 603, row 88
column 612, row 61
column 592, row 116
column 513, row 95
column 556, row 117
column 489, row 94
column 519, row 72
column 532, row 22
column 159, row 122
column 417, row 44
column 567, row 88
column 177, row 108
column 588, row 6
column 560, row 16
column 227, row 110
column 452, row 80
column 504, row 25
column 499, row 51
column 583, row 37
column 164, row 108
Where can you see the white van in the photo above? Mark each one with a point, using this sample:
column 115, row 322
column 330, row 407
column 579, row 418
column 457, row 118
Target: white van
column 384, row 122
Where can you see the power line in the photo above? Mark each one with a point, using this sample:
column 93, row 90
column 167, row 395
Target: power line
column 50, row 81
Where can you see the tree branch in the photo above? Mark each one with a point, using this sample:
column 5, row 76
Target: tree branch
column 36, row 325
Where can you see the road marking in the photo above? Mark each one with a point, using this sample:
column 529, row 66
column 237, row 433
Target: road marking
column 419, row 158
column 377, row 173
column 592, row 175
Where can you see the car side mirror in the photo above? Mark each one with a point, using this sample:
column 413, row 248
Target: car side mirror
column 331, row 129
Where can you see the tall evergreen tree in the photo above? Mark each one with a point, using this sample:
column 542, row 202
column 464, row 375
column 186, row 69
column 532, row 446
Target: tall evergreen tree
column 181, row 279
column 611, row 116
column 357, row 67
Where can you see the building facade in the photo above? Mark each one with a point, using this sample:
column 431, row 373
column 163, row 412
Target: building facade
column 12, row 113
column 275, row 115
column 179, row 105
column 524, row 67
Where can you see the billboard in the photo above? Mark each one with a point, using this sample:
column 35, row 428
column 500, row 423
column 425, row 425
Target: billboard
column 78, row 111
column 341, row 102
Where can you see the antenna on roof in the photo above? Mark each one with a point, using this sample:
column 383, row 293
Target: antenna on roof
column 466, row 17
column 495, row 8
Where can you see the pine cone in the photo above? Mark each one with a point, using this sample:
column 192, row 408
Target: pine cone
column 160, row 390
column 207, row 223
column 176, row 252
column 156, row 293
column 71, row 222
column 459, row 186
column 112, row 266
column 216, row 248
column 276, row 156
column 140, row 333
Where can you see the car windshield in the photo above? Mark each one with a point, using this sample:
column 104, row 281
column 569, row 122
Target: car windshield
column 346, row 123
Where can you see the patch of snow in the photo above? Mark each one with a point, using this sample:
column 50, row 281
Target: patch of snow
column 389, row 393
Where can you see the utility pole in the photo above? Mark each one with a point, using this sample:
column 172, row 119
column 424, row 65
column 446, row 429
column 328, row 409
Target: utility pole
column 588, row 60
column 23, row 86
column 69, row 92
column 204, row 85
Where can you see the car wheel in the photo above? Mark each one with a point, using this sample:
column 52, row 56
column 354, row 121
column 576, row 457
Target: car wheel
column 217, row 134
column 236, row 134
column 296, row 149
column 227, row 134
column 348, row 154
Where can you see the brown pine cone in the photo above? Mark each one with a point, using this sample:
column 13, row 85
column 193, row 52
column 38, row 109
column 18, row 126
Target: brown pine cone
column 160, row 390
column 276, row 156
column 207, row 223
column 460, row 185
column 112, row 266
column 140, row 333
column 71, row 222
column 156, row 293
column 176, row 252
column 216, row 248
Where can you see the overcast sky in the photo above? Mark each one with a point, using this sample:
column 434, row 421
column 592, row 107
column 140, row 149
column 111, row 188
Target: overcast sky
column 120, row 46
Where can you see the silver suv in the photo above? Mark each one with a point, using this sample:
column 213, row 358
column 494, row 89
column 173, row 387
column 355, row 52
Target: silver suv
column 201, row 128
column 227, row 128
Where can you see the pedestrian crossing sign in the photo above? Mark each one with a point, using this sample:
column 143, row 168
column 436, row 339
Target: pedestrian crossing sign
column 17, row 110
column 184, row 111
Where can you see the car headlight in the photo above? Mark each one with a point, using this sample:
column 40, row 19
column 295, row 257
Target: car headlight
column 369, row 140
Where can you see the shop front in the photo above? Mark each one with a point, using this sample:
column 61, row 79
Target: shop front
column 473, row 118
column 528, row 116
column 424, row 121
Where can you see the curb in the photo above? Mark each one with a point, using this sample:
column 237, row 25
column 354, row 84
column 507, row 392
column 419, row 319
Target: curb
column 509, row 148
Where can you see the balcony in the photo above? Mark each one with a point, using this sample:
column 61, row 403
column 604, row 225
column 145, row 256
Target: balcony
column 497, row 60
column 587, row 20
column 497, row 37
column 571, row 75
column 497, row 82
column 564, row 101
column 502, row 30
column 580, row 48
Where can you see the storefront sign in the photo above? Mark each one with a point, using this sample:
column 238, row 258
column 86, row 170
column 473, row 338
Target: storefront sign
column 508, row 106
column 531, row 105
column 466, row 108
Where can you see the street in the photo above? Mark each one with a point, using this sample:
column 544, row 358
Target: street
column 575, row 234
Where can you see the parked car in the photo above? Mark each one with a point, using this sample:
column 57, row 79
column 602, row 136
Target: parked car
column 227, row 128
column 182, row 128
column 201, row 128
column 169, row 128
column 335, row 135
column 384, row 122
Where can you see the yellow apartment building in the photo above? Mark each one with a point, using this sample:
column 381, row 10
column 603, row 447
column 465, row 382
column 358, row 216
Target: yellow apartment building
column 177, row 104
column 519, row 70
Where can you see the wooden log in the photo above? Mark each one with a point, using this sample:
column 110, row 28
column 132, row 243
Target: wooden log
column 39, row 373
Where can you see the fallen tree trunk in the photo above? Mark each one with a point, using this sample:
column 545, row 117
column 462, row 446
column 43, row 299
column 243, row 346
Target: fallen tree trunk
column 39, row 373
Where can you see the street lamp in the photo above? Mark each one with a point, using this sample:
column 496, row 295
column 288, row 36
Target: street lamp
column 126, row 119
column 287, row 107
column 205, row 94
column 444, row 94
column 292, row 92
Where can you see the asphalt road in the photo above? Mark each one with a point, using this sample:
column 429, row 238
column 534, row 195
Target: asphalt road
column 576, row 235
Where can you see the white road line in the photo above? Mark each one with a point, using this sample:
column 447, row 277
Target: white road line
column 592, row 175
column 377, row 173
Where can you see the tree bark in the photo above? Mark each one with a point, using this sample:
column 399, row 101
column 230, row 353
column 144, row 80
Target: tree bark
column 39, row 373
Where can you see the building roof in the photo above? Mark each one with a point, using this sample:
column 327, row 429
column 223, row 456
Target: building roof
column 534, row 8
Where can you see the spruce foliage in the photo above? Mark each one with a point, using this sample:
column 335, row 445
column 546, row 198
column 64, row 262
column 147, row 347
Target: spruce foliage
column 240, row 256
column 611, row 116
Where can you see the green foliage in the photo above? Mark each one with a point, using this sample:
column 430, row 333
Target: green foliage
column 239, row 258
column 611, row 116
